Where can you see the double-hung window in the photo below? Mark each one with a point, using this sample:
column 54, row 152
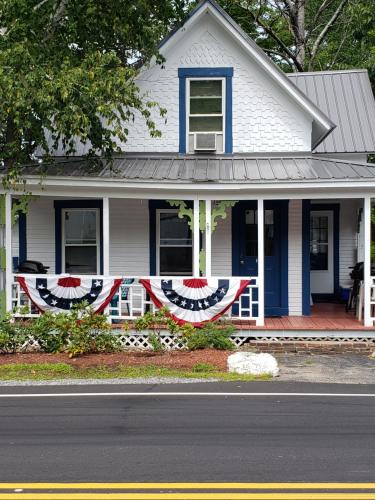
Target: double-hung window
column 80, row 240
column 205, row 117
column 174, row 244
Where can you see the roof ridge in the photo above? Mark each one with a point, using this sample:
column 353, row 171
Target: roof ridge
column 326, row 72
column 341, row 160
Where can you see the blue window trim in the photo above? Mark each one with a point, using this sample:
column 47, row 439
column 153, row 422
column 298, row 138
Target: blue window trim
column 306, row 310
column 153, row 206
column 282, row 205
column 335, row 207
column 59, row 206
column 22, row 238
column 226, row 73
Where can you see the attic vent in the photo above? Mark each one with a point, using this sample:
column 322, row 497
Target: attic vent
column 205, row 142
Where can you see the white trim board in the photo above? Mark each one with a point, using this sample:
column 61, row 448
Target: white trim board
column 210, row 192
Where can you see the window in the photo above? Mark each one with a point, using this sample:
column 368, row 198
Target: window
column 80, row 240
column 205, row 109
column 319, row 243
column 175, row 244
column 206, row 114
column 251, row 241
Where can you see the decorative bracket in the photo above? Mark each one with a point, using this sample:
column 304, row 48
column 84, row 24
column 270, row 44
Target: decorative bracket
column 183, row 211
column 220, row 210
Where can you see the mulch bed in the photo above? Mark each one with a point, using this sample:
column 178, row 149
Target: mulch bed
column 173, row 359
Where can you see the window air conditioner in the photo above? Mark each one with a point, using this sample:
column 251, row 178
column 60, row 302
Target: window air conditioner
column 205, row 142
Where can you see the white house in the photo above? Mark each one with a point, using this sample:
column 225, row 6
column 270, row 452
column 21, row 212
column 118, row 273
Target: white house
column 289, row 151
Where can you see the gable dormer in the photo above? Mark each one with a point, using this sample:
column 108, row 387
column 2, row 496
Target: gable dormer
column 223, row 95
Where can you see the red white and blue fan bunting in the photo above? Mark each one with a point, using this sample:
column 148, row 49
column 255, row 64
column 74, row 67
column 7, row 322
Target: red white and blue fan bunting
column 60, row 293
column 195, row 300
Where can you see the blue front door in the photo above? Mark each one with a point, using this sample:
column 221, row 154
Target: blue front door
column 245, row 254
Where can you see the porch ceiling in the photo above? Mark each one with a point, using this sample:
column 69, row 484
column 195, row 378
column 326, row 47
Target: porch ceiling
column 148, row 168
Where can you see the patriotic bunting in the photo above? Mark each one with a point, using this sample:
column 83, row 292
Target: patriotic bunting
column 61, row 293
column 195, row 300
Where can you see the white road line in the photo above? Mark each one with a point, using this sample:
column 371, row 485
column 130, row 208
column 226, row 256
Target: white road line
column 186, row 394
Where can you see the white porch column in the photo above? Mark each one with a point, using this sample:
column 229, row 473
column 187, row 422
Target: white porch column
column 367, row 261
column 105, row 235
column 260, row 320
column 208, row 234
column 8, row 252
column 196, row 239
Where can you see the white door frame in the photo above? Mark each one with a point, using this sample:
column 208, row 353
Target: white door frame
column 323, row 281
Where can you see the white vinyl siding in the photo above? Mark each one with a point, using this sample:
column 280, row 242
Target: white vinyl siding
column 222, row 247
column 40, row 231
column 295, row 258
column 129, row 237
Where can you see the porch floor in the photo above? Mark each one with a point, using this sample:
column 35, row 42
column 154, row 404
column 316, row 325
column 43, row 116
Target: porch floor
column 330, row 317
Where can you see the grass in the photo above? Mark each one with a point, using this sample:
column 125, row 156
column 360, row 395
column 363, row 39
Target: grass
column 61, row 371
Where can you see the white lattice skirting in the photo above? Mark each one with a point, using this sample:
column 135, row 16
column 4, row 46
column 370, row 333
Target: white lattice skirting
column 140, row 340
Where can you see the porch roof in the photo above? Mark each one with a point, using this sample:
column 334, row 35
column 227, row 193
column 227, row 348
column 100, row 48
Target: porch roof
column 148, row 168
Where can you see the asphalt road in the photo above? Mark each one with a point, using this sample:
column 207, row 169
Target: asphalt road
column 151, row 437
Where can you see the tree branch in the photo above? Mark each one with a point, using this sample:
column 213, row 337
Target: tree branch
column 324, row 32
column 40, row 4
column 281, row 55
column 289, row 4
column 56, row 18
column 278, row 40
column 321, row 9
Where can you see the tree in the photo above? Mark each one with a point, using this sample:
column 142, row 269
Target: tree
column 67, row 72
column 309, row 35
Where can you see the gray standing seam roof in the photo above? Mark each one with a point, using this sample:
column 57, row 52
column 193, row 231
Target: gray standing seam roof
column 347, row 98
column 203, row 169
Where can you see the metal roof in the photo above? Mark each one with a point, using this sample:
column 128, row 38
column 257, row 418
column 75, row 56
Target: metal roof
column 198, row 169
column 347, row 98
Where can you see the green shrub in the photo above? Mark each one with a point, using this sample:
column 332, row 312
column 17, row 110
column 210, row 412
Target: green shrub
column 85, row 332
column 78, row 331
column 107, row 342
column 14, row 337
column 211, row 335
column 154, row 323
column 155, row 342
column 47, row 334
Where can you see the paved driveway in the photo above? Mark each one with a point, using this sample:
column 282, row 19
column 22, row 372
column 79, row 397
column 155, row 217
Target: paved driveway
column 334, row 368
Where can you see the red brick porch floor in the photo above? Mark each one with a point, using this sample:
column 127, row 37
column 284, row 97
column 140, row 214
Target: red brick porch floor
column 323, row 317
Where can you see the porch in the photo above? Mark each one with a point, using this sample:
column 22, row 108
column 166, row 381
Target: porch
column 251, row 229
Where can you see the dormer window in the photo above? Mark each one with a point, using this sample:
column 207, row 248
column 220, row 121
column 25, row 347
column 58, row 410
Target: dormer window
column 206, row 115
column 205, row 110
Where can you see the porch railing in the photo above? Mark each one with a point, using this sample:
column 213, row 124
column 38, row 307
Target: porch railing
column 132, row 301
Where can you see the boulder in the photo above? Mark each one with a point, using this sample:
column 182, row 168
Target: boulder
column 250, row 363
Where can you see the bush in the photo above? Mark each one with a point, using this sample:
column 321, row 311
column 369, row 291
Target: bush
column 212, row 335
column 78, row 331
column 14, row 337
column 45, row 332
column 155, row 323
